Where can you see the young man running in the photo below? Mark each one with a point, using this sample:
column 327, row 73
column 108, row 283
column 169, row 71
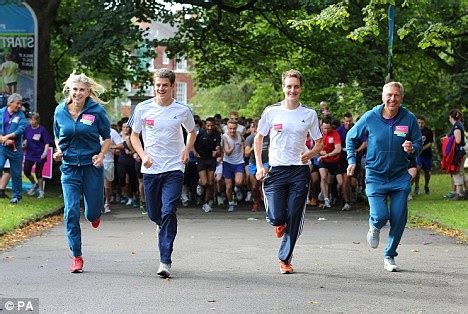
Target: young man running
column 233, row 161
column 207, row 148
column 286, row 184
column 163, row 159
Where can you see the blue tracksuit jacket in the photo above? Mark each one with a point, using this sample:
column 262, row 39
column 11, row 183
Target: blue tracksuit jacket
column 79, row 140
column 17, row 125
column 385, row 158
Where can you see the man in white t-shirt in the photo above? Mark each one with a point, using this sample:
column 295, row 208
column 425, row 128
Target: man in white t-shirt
column 286, row 183
column 108, row 164
column 160, row 120
column 234, row 116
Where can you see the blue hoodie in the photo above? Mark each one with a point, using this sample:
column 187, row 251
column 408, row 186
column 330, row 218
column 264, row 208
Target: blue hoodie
column 385, row 158
column 79, row 140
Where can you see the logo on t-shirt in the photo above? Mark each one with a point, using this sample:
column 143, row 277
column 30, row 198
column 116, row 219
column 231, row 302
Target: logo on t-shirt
column 15, row 120
column 87, row 119
column 36, row 137
column 278, row 127
column 401, row 130
column 149, row 124
column 331, row 140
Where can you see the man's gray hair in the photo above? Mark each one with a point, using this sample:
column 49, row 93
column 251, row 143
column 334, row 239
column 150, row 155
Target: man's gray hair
column 398, row 84
column 14, row 97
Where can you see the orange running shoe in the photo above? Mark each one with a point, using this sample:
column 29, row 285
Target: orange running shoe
column 286, row 268
column 313, row 202
column 279, row 231
column 77, row 265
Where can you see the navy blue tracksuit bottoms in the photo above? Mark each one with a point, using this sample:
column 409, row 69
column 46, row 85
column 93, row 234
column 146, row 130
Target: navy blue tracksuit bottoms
column 285, row 189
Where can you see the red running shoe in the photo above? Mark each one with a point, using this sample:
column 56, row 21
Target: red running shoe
column 280, row 230
column 77, row 265
column 286, row 268
column 96, row 223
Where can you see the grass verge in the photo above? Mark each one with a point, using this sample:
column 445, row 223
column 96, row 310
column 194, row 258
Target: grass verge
column 29, row 209
column 450, row 217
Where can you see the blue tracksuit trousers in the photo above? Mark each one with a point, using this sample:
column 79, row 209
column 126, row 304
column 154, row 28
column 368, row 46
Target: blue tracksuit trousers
column 285, row 189
column 16, row 161
column 162, row 194
column 388, row 201
column 76, row 180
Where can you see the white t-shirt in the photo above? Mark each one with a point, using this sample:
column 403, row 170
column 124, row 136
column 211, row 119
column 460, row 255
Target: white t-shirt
column 237, row 155
column 115, row 140
column 162, row 133
column 288, row 132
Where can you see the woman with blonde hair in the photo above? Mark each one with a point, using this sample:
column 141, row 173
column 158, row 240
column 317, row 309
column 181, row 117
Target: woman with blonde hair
column 79, row 123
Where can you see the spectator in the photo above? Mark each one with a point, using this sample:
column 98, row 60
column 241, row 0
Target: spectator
column 13, row 123
column 37, row 142
column 424, row 160
column 458, row 132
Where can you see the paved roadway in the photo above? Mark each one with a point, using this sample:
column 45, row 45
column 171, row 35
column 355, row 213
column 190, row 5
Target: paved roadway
column 226, row 262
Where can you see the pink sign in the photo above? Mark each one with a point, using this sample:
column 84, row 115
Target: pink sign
column 47, row 170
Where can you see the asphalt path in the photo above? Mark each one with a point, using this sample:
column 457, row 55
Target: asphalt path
column 227, row 262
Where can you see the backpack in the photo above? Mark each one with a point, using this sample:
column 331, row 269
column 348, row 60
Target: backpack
column 451, row 159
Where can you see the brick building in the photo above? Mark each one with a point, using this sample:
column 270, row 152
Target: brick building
column 183, row 89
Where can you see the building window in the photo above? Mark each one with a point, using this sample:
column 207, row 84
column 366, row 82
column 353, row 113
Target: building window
column 181, row 64
column 181, row 92
column 165, row 59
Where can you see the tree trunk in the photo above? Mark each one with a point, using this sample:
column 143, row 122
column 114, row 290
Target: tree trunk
column 46, row 13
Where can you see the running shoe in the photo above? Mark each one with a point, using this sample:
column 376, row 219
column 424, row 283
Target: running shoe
column 280, row 230
column 164, row 270
column 96, row 223
column 390, row 265
column 77, row 265
column 286, row 268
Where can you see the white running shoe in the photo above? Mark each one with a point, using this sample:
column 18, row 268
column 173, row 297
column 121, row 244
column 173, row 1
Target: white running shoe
column 390, row 265
column 248, row 198
column 373, row 237
column 220, row 200
column 107, row 208
column 129, row 202
column 164, row 270
column 41, row 194
column 321, row 198
column 346, row 207
column 326, row 203
column 199, row 190
column 33, row 189
column 206, row 208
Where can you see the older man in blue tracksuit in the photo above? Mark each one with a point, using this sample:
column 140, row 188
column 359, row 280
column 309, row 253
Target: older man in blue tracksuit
column 12, row 125
column 393, row 135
